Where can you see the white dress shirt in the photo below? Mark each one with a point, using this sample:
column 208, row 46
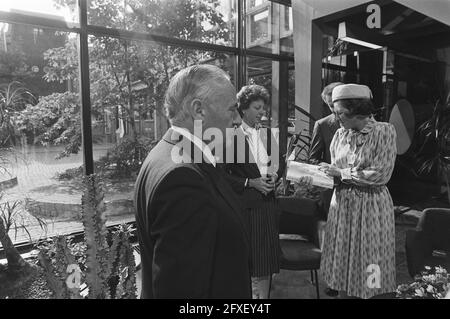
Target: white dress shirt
column 257, row 148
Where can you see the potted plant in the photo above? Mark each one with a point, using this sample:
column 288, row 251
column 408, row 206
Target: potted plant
column 435, row 150
column 430, row 284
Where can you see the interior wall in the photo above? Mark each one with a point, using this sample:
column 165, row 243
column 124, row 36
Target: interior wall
column 308, row 62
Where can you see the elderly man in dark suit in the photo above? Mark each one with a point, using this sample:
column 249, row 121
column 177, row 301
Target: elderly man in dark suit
column 193, row 238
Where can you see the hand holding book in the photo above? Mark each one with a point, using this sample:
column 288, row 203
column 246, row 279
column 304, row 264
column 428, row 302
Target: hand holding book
column 307, row 173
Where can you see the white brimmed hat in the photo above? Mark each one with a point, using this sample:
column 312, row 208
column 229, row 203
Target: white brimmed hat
column 351, row 91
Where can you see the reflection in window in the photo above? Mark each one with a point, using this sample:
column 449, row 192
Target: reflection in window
column 288, row 23
column 259, row 71
column 269, row 27
column 259, row 27
column 255, row 3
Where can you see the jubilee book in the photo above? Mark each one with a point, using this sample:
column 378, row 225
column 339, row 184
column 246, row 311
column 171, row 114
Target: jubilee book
column 296, row 170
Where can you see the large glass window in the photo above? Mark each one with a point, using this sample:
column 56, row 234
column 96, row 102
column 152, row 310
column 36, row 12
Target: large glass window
column 128, row 83
column 261, row 71
column 39, row 120
column 210, row 21
column 269, row 27
column 41, row 159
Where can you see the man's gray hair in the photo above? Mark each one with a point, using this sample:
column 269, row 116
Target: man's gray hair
column 194, row 82
column 328, row 90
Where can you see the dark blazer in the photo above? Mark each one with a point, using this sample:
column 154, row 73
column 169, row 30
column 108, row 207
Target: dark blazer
column 193, row 240
column 239, row 172
column 323, row 133
column 319, row 151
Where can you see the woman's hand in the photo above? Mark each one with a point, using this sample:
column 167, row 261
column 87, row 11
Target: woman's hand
column 273, row 178
column 323, row 165
column 305, row 181
column 332, row 171
column 262, row 184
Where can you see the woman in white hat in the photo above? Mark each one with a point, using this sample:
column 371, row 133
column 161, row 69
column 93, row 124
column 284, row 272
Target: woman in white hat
column 358, row 255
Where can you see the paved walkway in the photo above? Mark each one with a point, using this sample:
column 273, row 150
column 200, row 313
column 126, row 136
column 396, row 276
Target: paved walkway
column 36, row 169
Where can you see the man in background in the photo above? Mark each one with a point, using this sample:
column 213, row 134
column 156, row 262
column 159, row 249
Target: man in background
column 319, row 152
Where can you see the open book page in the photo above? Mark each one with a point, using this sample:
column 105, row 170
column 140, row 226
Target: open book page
column 295, row 170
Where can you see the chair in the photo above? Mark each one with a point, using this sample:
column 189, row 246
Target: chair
column 429, row 243
column 299, row 237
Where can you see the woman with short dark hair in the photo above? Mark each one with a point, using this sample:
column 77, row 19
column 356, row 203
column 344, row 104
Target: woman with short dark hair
column 254, row 181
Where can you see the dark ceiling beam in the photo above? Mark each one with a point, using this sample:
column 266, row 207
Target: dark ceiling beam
column 423, row 23
column 420, row 32
column 283, row 2
column 397, row 20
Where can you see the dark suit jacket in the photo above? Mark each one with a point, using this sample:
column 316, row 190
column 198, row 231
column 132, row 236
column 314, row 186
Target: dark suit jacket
column 194, row 243
column 319, row 151
column 323, row 133
column 239, row 172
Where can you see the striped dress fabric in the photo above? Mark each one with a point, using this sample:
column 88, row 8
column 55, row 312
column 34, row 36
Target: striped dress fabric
column 359, row 246
column 264, row 242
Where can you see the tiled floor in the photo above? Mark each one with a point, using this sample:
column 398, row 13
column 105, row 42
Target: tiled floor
column 297, row 284
column 36, row 180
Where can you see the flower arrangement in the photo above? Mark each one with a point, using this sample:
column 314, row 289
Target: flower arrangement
column 430, row 284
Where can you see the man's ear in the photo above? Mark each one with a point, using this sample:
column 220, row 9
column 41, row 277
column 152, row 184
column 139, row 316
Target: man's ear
column 197, row 109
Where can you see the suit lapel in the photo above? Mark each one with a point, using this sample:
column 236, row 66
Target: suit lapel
column 227, row 194
column 215, row 177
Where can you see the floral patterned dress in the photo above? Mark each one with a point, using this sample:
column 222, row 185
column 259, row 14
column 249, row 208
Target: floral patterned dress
column 359, row 245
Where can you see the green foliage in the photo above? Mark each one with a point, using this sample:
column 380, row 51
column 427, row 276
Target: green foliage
column 55, row 260
column 121, row 161
column 94, row 222
column 117, row 65
column 55, row 119
column 435, row 147
column 430, row 284
column 108, row 265
column 13, row 97
column 126, row 158
column 12, row 218
column 13, row 66
column 298, row 146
